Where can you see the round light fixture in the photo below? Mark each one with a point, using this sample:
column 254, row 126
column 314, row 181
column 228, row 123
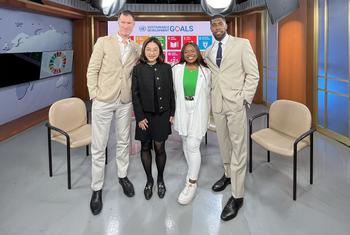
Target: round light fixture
column 108, row 7
column 218, row 7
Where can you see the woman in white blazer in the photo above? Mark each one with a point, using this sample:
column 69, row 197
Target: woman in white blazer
column 192, row 91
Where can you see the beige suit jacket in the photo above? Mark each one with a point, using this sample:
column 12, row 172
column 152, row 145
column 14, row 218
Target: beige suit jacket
column 237, row 78
column 107, row 77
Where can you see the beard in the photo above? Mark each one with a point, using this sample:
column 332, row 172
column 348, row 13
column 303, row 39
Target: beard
column 219, row 38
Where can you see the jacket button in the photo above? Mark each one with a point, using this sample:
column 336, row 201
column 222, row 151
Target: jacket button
column 160, row 98
column 155, row 69
column 157, row 78
column 159, row 88
column 161, row 107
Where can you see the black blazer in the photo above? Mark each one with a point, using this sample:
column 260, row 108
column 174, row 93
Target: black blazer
column 144, row 77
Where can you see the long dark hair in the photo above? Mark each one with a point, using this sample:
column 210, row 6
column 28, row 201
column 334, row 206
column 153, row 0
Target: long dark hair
column 143, row 58
column 199, row 61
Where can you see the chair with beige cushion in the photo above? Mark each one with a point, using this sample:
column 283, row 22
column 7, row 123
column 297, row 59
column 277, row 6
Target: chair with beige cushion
column 68, row 125
column 288, row 130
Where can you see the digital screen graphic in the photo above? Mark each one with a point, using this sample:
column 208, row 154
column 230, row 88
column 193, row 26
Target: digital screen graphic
column 172, row 35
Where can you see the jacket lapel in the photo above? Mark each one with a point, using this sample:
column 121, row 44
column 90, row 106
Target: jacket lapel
column 199, row 84
column 212, row 64
column 207, row 56
column 117, row 48
column 132, row 54
column 228, row 48
column 180, row 81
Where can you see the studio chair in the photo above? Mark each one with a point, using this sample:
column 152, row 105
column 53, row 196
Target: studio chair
column 288, row 131
column 68, row 125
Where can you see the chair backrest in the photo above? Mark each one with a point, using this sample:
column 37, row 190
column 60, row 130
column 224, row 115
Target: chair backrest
column 67, row 114
column 290, row 117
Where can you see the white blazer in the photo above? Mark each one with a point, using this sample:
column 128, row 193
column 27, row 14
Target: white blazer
column 196, row 125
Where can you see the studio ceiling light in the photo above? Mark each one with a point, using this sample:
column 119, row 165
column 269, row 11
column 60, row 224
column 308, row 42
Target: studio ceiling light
column 218, row 7
column 108, row 7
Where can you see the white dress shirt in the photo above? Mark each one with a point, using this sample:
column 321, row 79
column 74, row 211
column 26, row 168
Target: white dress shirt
column 124, row 48
column 214, row 50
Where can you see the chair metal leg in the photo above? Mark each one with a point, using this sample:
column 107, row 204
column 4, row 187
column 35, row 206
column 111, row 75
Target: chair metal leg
column 206, row 138
column 50, row 150
column 311, row 158
column 268, row 156
column 68, row 166
column 295, row 175
column 106, row 156
column 250, row 153
column 87, row 150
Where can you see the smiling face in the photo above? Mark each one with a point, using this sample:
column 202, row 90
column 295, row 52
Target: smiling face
column 152, row 52
column 126, row 25
column 190, row 54
column 219, row 28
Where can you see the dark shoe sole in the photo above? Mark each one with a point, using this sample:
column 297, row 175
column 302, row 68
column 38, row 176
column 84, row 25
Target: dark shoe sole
column 96, row 212
column 129, row 195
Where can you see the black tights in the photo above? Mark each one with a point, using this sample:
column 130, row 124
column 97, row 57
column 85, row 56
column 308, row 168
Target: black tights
column 146, row 158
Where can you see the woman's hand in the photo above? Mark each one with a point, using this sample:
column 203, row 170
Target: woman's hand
column 171, row 119
column 143, row 124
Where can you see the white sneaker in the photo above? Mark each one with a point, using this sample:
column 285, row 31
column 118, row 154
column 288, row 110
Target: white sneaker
column 187, row 193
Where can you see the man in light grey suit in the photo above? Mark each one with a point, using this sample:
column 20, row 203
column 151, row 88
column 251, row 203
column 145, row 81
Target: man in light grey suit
column 235, row 76
column 109, row 84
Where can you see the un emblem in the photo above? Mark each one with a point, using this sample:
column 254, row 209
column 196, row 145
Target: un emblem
column 142, row 28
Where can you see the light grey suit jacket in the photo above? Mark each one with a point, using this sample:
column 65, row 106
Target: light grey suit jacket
column 107, row 77
column 238, row 76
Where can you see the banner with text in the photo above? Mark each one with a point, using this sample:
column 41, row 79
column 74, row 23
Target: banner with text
column 172, row 35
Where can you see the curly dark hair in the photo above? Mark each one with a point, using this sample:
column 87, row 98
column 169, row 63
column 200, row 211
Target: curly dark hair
column 200, row 60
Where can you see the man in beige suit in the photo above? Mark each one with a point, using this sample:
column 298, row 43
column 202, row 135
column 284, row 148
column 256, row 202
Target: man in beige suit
column 235, row 77
column 109, row 84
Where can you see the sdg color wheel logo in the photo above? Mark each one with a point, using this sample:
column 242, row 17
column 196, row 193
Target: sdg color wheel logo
column 57, row 62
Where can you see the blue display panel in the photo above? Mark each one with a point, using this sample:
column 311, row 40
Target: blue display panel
column 272, row 69
column 340, row 87
column 272, row 86
column 338, row 39
column 321, row 83
column 333, row 83
column 320, row 108
column 321, row 39
column 338, row 115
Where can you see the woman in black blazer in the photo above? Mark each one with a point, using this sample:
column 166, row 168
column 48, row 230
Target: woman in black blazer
column 154, row 106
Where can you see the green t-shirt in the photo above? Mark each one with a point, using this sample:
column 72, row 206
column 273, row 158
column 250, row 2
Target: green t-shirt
column 190, row 81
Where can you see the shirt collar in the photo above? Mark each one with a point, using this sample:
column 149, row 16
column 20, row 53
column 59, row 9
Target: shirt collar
column 120, row 39
column 224, row 40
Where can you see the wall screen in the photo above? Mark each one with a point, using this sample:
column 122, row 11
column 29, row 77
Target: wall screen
column 172, row 34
